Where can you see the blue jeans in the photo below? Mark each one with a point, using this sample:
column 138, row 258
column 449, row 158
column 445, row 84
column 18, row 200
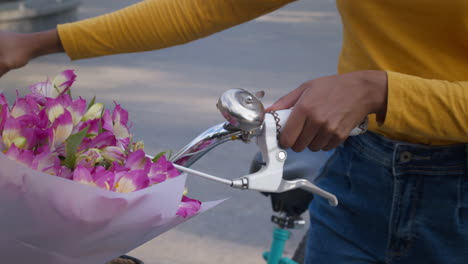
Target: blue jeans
column 399, row 203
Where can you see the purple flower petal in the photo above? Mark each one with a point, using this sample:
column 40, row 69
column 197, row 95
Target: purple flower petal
column 162, row 170
column 77, row 109
column 89, row 158
column 107, row 121
column 62, row 129
column 92, row 125
column 47, row 162
column 188, row 207
column 112, row 153
column 65, row 173
column 137, row 160
column 130, row 181
column 83, row 175
column 103, row 140
column 118, row 124
column 54, row 109
column 22, row 156
column 123, row 143
column 41, row 90
column 24, row 106
column 12, row 133
column 64, row 81
column 103, row 178
column 117, row 167
column 120, row 115
column 3, row 100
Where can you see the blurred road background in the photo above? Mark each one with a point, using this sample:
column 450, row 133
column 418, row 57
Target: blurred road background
column 171, row 95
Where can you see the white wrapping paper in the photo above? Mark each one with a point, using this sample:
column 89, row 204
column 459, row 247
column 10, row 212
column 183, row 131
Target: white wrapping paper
column 50, row 220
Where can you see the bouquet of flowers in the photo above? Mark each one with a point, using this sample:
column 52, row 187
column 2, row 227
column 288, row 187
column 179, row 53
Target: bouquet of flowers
column 74, row 185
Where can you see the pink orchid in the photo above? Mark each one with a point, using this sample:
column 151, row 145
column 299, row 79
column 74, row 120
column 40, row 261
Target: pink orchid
column 23, row 106
column 117, row 167
column 138, row 161
column 117, row 123
column 54, row 109
column 82, row 174
column 64, row 81
column 92, row 125
column 89, row 158
column 77, row 109
column 162, row 170
column 114, row 154
column 12, row 133
column 130, row 181
column 103, row 140
column 62, row 129
column 58, row 86
column 188, row 207
column 104, row 178
column 47, row 162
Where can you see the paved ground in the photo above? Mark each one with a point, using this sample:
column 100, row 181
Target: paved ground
column 171, row 96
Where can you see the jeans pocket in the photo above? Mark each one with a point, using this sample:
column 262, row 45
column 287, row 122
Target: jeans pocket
column 324, row 169
column 334, row 174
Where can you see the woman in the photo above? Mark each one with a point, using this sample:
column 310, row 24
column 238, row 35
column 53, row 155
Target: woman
column 402, row 187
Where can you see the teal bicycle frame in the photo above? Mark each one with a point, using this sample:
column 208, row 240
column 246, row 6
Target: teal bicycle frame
column 275, row 255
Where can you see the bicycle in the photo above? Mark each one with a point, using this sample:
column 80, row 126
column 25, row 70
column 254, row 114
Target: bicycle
column 247, row 120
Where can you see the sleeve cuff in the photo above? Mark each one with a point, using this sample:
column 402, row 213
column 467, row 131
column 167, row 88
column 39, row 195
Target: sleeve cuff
column 68, row 42
column 396, row 86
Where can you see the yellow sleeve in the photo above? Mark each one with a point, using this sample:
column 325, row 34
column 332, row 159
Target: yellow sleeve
column 155, row 24
column 430, row 111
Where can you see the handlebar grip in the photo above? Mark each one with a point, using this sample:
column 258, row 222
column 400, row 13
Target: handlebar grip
column 282, row 116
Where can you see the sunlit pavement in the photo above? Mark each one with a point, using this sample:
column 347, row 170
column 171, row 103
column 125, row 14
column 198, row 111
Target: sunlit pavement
column 171, row 96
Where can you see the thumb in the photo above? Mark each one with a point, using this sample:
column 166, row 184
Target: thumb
column 287, row 101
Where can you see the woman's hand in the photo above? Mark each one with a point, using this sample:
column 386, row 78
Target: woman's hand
column 327, row 109
column 16, row 50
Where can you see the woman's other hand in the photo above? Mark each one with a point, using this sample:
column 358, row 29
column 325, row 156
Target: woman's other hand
column 16, row 50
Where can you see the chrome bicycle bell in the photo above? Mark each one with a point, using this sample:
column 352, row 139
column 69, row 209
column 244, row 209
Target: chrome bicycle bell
column 242, row 109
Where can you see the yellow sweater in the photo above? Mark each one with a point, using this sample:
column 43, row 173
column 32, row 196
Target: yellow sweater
column 423, row 46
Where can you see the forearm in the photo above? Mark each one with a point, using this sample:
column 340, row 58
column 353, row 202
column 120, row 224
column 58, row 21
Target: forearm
column 426, row 111
column 155, row 24
column 46, row 42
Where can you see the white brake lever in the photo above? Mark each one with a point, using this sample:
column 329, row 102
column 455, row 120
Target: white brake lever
column 270, row 177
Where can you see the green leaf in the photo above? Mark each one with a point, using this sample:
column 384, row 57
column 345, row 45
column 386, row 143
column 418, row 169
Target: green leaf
column 158, row 156
column 93, row 101
column 72, row 146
